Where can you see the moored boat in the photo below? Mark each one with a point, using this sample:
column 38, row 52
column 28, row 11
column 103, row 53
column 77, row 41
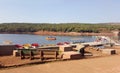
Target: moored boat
column 50, row 38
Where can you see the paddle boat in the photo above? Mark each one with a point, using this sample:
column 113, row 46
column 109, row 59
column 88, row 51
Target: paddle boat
column 50, row 38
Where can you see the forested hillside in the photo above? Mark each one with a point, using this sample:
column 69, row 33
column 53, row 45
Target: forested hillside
column 62, row 27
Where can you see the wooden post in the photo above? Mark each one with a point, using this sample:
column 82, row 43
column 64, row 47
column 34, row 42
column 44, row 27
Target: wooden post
column 56, row 55
column 22, row 54
column 41, row 55
column 31, row 55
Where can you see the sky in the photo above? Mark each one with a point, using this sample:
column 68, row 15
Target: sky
column 59, row 11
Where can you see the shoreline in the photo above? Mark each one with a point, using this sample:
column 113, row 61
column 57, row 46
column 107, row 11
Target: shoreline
column 71, row 33
column 60, row 33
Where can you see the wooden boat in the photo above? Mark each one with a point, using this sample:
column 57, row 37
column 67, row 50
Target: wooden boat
column 50, row 38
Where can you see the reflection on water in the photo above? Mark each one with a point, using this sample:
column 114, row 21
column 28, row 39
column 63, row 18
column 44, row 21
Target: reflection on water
column 27, row 38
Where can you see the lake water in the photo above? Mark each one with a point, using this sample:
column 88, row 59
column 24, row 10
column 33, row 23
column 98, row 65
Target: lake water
column 27, row 38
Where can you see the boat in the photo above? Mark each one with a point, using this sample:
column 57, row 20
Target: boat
column 50, row 38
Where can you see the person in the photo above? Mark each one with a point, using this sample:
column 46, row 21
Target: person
column 111, row 44
column 82, row 50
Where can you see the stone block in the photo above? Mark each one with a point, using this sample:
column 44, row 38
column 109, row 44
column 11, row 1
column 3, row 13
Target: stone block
column 109, row 51
column 71, row 55
column 15, row 53
column 65, row 48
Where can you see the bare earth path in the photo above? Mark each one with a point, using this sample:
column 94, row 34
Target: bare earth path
column 110, row 64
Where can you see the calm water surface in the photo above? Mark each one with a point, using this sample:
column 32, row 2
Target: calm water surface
column 27, row 38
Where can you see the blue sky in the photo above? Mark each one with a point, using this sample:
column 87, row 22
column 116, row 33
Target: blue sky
column 59, row 11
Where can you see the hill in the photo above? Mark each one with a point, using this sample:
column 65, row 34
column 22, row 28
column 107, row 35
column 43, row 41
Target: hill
column 61, row 27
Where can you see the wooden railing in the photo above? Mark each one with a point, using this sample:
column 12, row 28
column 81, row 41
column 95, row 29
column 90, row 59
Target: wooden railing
column 43, row 53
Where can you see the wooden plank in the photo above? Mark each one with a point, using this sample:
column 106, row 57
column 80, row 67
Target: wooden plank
column 48, row 54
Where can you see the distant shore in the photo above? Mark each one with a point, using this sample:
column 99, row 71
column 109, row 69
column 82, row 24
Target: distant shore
column 60, row 33
column 72, row 33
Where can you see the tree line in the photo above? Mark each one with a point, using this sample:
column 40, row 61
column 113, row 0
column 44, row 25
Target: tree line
column 61, row 27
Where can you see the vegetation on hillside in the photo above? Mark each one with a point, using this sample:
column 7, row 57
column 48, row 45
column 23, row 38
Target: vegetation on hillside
column 62, row 27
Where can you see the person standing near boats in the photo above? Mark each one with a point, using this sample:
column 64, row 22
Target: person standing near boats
column 82, row 50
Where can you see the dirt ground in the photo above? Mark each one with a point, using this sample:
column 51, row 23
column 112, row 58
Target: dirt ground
column 98, row 63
